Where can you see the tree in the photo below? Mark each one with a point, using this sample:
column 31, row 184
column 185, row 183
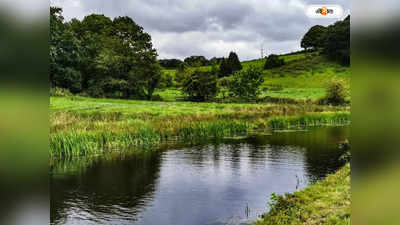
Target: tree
column 225, row 68
column 230, row 65
column 337, row 44
column 103, row 57
column 273, row 61
column 170, row 63
column 65, row 54
column 200, row 86
column 314, row 38
column 196, row 61
column 246, row 84
column 234, row 61
column 216, row 60
column 182, row 72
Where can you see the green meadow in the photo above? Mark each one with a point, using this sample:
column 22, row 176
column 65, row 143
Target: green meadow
column 305, row 76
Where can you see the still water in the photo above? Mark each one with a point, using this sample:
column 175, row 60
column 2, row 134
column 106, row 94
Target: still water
column 222, row 182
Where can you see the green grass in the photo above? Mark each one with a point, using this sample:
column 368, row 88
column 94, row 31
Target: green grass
column 305, row 76
column 87, row 126
column 325, row 202
column 170, row 94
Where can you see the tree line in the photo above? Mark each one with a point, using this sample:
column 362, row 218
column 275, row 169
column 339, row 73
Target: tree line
column 333, row 41
column 102, row 57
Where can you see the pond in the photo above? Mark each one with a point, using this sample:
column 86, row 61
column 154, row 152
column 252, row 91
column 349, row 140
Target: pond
column 221, row 182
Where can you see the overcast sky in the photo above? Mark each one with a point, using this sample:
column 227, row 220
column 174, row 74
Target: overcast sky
column 181, row 28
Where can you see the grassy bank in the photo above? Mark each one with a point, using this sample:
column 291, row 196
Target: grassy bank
column 84, row 126
column 325, row 202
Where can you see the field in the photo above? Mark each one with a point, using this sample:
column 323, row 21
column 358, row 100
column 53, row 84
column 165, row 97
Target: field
column 326, row 202
column 305, row 76
column 85, row 126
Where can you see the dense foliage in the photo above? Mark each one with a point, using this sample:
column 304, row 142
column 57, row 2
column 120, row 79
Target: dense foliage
column 102, row 57
column 197, row 61
column 314, row 38
column 336, row 93
column 334, row 40
column 246, row 84
column 230, row 65
column 337, row 45
column 170, row 63
column 273, row 61
column 200, row 85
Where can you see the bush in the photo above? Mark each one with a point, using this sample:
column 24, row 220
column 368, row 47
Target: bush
column 157, row 98
column 246, row 84
column 166, row 81
column 223, row 86
column 336, row 94
column 60, row 92
column 273, row 61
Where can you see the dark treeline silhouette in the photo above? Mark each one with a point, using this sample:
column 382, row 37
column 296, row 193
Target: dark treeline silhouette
column 170, row 63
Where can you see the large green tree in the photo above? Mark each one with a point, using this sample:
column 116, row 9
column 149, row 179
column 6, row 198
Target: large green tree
column 314, row 38
column 230, row 65
column 245, row 84
column 103, row 57
column 65, row 54
column 337, row 44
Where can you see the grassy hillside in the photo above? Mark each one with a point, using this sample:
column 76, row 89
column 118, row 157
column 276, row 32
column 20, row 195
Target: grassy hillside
column 304, row 76
column 326, row 202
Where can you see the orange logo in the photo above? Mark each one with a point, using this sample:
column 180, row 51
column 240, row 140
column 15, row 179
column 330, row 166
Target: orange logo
column 324, row 11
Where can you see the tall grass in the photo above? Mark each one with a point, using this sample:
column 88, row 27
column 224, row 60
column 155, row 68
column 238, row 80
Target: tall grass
column 77, row 143
column 85, row 126
column 309, row 120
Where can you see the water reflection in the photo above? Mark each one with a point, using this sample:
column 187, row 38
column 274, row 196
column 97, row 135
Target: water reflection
column 211, row 183
column 105, row 190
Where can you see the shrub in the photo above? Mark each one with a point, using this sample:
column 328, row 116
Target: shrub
column 223, row 86
column 157, row 98
column 60, row 92
column 336, row 94
column 166, row 81
column 273, row 61
column 246, row 84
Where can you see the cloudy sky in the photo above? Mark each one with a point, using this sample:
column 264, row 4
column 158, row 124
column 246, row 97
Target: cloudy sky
column 181, row 28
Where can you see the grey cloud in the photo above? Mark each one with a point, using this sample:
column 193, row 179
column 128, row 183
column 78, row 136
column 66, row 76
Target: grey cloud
column 181, row 28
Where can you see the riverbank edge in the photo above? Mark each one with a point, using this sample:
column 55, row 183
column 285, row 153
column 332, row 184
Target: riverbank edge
column 75, row 143
column 325, row 202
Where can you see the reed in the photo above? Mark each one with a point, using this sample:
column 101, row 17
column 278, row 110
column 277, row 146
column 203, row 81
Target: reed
column 78, row 143
column 309, row 120
column 84, row 126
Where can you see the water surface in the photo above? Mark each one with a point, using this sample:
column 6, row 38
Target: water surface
column 218, row 183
